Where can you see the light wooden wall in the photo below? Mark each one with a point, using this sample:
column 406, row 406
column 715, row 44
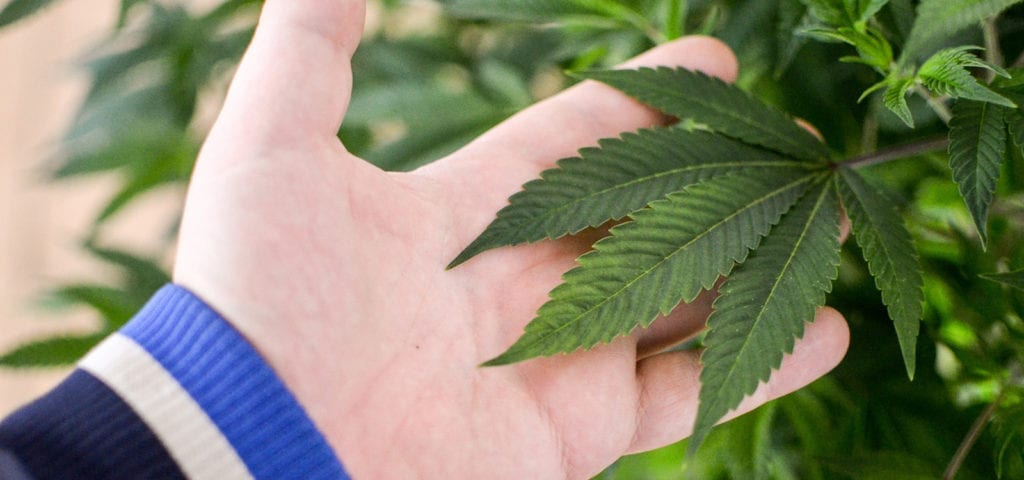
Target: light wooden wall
column 41, row 222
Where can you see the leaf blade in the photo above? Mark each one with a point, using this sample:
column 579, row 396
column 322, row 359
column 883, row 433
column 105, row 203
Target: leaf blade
column 20, row 9
column 664, row 256
column 895, row 99
column 977, row 147
column 51, row 352
column 937, row 19
column 722, row 107
column 762, row 307
column 612, row 181
column 1014, row 279
column 532, row 10
column 945, row 73
column 890, row 255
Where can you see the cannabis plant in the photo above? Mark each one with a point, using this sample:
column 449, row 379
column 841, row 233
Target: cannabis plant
column 921, row 148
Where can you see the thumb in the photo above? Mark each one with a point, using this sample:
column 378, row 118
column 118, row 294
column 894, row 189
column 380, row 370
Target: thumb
column 295, row 80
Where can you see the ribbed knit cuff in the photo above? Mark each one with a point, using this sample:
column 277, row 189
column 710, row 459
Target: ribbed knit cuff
column 233, row 386
column 177, row 393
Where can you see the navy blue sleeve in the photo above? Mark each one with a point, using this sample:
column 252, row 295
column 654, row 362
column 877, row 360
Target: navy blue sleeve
column 177, row 393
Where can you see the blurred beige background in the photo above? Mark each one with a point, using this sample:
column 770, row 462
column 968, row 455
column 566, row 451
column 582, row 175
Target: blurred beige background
column 41, row 222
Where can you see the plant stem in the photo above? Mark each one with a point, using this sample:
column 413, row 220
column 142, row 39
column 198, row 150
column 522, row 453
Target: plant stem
column 897, row 152
column 634, row 19
column 993, row 54
column 676, row 17
column 978, row 426
column 936, row 104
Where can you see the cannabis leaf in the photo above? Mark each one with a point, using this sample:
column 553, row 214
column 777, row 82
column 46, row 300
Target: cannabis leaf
column 895, row 98
column 1015, row 123
column 1014, row 279
column 52, row 352
column 762, row 307
column 938, row 19
column 841, row 13
column 709, row 101
column 1012, row 87
column 17, row 9
column 890, row 255
column 745, row 196
column 535, row 10
column 612, row 181
column 667, row 254
column 945, row 73
column 977, row 146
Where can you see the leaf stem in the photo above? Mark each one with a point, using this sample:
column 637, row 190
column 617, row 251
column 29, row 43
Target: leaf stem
column 993, row 54
column 970, row 438
column 936, row 103
column 676, row 17
column 979, row 425
column 897, row 152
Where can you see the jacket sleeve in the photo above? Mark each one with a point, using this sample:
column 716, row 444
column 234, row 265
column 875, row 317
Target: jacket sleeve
column 177, row 393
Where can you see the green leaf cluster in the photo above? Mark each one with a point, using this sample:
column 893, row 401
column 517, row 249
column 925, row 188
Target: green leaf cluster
column 944, row 74
column 114, row 305
column 422, row 91
column 18, row 9
column 846, row 21
column 749, row 196
column 937, row 20
column 984, row 132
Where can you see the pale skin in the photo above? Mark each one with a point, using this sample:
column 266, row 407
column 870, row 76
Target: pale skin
column 334, row 270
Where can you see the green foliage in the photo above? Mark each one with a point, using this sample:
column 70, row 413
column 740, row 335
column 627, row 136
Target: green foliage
column 710, row 102
column 612, row 181
column 895, row 98
column 673, row 248
column 977, row 146
column 890, row 256
column 667, row 254
column 422, row 93
column 535, row 10
column 945, row 73
column 761, row 309
column 18, row 9
column 52, row 352
column 114, row 305
column 844, row 12
column 1013, row 279
column 938, row 20
column 1009, row 439
column 613, row 290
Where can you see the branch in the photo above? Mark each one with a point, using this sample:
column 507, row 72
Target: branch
column 897, row 152
column 935, row 103
column 979, row 426
column 676, row 19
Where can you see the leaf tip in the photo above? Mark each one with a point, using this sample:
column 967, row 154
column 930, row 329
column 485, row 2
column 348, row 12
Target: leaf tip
column 696, row 440
column 474, row 249
column 454, row 263
column 908, row 348
column 500, row 360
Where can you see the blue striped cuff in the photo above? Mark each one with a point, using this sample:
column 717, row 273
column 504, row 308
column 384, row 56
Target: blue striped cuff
column 233, row 386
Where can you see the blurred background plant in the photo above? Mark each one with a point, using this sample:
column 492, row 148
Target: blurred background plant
column 430, row 76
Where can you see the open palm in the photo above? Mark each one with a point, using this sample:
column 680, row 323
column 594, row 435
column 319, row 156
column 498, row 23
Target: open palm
column 334, row 270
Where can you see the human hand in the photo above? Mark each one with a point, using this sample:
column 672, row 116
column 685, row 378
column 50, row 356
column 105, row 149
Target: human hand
column 334, row 270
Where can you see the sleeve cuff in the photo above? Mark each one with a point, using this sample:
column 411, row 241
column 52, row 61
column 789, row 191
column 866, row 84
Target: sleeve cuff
column 229, row 381
column 192, row 383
